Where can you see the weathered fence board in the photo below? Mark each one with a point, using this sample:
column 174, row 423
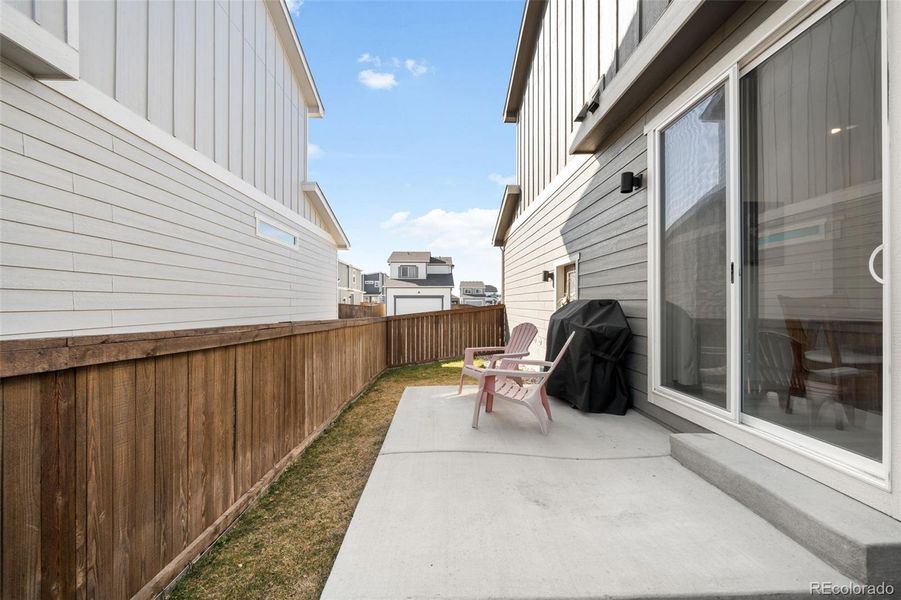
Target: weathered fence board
column 427, row 337
column 124, row 456
column 360, row 311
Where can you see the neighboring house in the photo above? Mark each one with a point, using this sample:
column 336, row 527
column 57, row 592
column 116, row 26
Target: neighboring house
column 419, row 282
column 748, row 256
column 350, row 284
column 155, row 169
column 491, row 295
column 472, row 293
column 374, row 287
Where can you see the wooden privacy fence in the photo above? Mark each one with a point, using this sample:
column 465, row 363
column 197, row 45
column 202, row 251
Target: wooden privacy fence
column 125, row 456
column 426, row 337
column 360, row 311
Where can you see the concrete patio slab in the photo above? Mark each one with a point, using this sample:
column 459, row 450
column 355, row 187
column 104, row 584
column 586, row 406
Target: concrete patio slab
column 435, row 419
column 505, row 512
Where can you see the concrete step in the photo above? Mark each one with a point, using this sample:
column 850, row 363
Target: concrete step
column 859, row 541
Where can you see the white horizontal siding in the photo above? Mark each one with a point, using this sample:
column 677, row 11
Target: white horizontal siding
column 212, row 74
column 103, row 232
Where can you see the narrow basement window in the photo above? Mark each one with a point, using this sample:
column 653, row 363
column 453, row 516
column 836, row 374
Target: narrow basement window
column 276, row 233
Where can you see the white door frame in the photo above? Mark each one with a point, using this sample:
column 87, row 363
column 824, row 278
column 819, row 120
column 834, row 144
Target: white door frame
column 783, row 26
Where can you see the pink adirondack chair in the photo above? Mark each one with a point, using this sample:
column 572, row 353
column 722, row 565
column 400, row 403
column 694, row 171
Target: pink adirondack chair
column 517, row 347
column 503, row 383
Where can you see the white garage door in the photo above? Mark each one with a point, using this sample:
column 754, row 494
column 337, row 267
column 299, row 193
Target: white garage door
column 417, row 304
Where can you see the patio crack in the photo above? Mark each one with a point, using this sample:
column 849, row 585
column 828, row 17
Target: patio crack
column 576, row 458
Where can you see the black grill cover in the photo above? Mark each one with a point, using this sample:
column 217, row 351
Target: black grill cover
column 590, row 376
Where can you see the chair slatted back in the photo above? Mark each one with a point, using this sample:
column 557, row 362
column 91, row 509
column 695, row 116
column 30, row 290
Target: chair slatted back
column 521, row 337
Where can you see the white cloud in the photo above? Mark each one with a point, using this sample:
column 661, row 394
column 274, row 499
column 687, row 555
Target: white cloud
column 395, row 219
column 376, row 80
column 368, row 58
column 294, row 6
column 416, row 67
column 465, row 235
column 502, row 179
column 313, row 151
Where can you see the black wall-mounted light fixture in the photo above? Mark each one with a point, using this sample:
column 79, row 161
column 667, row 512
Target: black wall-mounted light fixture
column 547, row 276
column 629, row 182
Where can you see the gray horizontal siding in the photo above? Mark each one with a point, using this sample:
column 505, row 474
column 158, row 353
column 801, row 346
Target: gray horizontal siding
column 586, row 214
column 103, row 232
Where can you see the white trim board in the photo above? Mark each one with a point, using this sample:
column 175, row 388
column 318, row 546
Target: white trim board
column 576, row 164
column 108, row 108
column 56, row 58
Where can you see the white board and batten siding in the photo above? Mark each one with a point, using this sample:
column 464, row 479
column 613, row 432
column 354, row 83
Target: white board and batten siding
column 214, row 75
column 102, row 231
column 570, row 205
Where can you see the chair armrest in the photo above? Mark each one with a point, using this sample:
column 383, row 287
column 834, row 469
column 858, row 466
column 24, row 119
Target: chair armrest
column 523, row 361
column 495, row 358
column 512, row 373
column 469, row 354
column 486, row 349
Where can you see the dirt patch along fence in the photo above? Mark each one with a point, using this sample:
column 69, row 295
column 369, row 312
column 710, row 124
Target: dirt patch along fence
column 360, row 311
column 125, row 456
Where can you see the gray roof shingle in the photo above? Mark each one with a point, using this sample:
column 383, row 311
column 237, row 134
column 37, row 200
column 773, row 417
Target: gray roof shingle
column 434, row 280
column 410, row 256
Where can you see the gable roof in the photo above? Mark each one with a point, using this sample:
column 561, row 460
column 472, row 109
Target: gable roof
column 442, row 280
column 284, row 27
column 410, row 256
column 442, row 259
column 472, row 284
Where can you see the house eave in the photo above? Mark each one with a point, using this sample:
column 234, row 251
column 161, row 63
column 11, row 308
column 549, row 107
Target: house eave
column 284, row 26
column 506, row 214
column 529, row 28
column 313, row 192
column 685, row 26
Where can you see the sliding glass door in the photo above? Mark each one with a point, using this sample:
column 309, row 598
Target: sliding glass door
column 767, row 295
column 693, row 285
column 811, row 197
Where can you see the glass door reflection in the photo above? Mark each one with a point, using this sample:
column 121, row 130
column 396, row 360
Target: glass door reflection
column 812, row 217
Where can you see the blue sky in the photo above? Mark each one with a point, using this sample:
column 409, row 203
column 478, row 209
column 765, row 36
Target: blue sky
column 412, row 153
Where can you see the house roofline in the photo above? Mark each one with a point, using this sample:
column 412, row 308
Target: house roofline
column 529, row 28
column 351, row 265
column 505, row 215
column 312, row 191
column 284, row 26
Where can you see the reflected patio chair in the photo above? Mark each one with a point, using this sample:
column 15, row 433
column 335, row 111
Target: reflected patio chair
column 517, row 347
column 502, row 383
column 833, row 368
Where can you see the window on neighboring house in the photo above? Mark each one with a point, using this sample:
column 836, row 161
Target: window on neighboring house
column 408, row 272
column 276, row 233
